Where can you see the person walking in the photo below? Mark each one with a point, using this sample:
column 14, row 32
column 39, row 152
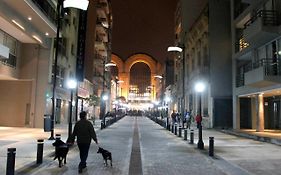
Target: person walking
column 187, row 119
column 85, row 132
column 173, row 116
column 198, row 120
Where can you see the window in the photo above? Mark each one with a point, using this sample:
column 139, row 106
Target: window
column 11, row 43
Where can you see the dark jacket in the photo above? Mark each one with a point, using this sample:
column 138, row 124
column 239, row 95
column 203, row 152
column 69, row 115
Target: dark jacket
column 84, row 131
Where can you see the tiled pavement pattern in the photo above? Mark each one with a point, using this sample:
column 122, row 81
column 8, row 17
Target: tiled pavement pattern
column 161, row 153
column 164, row 153
column 117, row 139
column 135, row 161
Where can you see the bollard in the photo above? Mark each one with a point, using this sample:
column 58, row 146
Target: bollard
column 180, row 130
column 185, row 134
column 11, row 158
column 191, row 137
column 58, row 137
column 169, row 127
column 172, row 129
column 211, row 146
column 176, row 129
column 40, row 146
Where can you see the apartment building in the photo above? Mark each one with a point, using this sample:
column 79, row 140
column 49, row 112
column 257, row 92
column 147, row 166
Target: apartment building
column 28, row 45
column 206, row 38
column 256, row 57
column 25, row 32
column 101, row 73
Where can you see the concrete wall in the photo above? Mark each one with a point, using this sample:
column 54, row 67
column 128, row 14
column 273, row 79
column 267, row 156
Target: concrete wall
column 220, row 48
column 34, row 66
column 15, row 97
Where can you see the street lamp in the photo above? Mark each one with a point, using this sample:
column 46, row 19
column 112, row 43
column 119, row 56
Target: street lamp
column 181, row 50
column 104, row 96
column 71, row 84
column 199, row 88
column 66, row 3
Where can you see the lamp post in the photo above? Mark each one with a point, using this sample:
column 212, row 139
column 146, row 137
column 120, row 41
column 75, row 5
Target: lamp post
column 199, row 88
column 83, row 5
column 71, row 84
column 104, row 97
column 181, row 50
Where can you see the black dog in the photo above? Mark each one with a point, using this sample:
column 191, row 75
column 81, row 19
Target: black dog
column 61, row 150
column 106, row 155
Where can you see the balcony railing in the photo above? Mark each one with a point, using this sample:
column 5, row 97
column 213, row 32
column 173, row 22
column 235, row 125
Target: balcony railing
column 11, row 62
column 47, row 9
column 269, row 18
column 271, row 66
column 240, row 80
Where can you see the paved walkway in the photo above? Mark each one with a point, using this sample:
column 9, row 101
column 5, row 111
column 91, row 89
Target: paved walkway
column 25, row 142
column 163, row 153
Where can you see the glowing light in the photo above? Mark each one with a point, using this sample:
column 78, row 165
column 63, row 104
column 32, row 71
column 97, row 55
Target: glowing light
column 105, row 97
column 158, row 76
column 174, row 49
column 109, row 64
column 20, row 26
column 71, row 83
column 81, row 4
column 199, row 87
column 37, row 38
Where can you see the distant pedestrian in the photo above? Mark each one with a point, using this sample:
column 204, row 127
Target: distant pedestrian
column 187, row 119
column 85, row 132
column 198, row 120
column 173, row 116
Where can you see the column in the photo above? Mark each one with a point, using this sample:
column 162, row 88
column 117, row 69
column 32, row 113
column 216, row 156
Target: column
column 236, row 112
column 260, row 113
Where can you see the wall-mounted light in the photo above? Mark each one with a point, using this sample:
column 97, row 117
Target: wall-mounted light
column 109, row 64
column 37, row 38
column 20, row 26
column 174, row 49
column 158, row 76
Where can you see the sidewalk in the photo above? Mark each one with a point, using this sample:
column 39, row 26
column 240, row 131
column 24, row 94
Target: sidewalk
column 162, row 153
column 25, row 142
column 234, row 153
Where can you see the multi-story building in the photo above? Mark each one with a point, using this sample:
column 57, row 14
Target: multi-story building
column 25, row 32
column 206, row 40
column 256, row 57
column 101, row 73
column 27, row 63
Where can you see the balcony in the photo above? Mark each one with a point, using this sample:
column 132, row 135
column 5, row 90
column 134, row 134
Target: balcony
column 261, row 28
column 100, row 46
column 266, row 72
column 102, row 13
column 101, row 32
column 48, row 9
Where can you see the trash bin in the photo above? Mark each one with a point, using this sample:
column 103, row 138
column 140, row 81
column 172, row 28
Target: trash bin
column 47, row 123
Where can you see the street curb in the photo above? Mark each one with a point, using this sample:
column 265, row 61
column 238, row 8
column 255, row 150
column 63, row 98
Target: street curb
column 254, row 137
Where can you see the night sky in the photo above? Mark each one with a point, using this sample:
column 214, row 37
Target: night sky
column 143, row 26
